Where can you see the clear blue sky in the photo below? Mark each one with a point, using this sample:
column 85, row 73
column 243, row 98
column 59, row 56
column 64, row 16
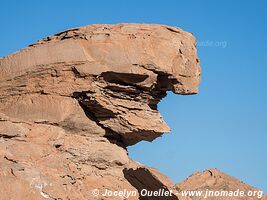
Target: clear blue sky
column 225, row 125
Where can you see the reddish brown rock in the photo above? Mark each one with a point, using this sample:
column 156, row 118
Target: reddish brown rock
column 213, row 184
column 117, row 73
column 71, row 103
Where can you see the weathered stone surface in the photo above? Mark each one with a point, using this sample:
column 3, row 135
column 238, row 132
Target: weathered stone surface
column 71, row 103
column 117, row 73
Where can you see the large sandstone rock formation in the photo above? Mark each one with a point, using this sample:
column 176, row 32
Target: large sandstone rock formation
column 71, row 103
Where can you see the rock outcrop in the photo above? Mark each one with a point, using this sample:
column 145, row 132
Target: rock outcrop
column 213, row 184
column 100, row 79
column 71, row 103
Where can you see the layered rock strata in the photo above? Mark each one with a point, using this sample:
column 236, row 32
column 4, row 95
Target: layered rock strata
column 71, row 103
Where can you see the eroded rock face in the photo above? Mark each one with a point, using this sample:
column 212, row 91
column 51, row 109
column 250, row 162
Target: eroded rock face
column 116, row 73
column 71, row 103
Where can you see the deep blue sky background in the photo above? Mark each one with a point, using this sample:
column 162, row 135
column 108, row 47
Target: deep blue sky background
column 225, row 125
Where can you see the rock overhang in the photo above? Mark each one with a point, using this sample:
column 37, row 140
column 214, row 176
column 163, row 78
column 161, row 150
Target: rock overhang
column 117, row 73
column 72, row 102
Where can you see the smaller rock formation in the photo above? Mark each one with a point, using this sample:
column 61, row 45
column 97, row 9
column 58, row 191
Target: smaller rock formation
column 213, row 181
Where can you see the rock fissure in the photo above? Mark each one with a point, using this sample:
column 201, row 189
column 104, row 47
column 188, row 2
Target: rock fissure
column 112, row 136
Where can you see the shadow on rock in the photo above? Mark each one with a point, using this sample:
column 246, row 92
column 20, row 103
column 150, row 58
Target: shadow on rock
column 146, row 183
